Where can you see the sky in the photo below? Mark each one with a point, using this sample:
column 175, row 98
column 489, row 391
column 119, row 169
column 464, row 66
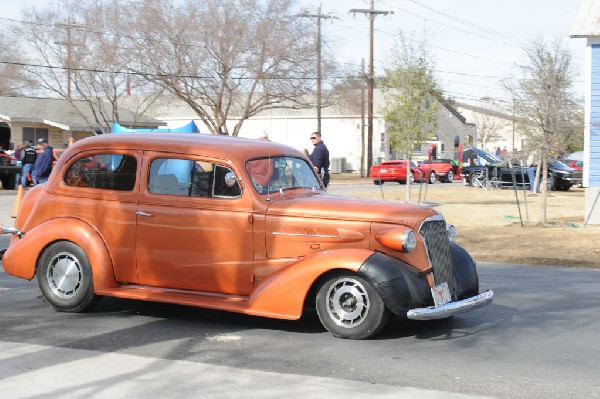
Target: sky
column 475, row 44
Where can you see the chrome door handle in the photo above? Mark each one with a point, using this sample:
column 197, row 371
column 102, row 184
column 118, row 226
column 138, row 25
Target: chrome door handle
column 142, row 213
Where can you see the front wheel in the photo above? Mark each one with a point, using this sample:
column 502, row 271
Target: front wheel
column 65, row 279
column 349, row 307
column 450, row 177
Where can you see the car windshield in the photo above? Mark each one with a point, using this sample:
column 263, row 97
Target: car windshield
column 281, row 173
column 555, row 163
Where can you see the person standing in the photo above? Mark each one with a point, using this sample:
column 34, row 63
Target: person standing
column 28, row 157
column 320, row 157
column 261, row 170
column 43, row 163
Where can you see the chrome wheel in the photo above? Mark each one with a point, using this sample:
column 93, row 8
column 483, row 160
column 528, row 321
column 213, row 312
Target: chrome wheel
column 350, row 307
column 432, row 178
column 64, row 275
column 347, row 302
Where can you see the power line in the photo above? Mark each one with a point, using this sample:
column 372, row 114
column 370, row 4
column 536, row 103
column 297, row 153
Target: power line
column 462, row 21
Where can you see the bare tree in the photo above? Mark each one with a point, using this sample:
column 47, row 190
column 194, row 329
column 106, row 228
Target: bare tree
column 11, row 78
column 227, row 59
column 488, row 128
column 544, row 99
column 77, row 52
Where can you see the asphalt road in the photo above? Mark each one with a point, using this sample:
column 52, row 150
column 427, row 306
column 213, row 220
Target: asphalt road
column 539, row 339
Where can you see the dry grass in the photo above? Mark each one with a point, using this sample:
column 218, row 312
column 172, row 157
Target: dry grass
column 489, row 226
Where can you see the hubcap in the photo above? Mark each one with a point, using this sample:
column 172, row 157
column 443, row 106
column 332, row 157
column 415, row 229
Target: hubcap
column 64, row 275
column 347, row 302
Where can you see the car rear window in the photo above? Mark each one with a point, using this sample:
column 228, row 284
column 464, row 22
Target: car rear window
column 103, row 171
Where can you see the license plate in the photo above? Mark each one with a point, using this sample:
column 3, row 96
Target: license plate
column 383, row 170
column 441, row 294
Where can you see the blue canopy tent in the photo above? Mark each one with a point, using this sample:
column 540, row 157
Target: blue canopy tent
column 189, row 128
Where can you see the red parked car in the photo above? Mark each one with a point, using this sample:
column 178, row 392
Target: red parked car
column 395, row 171
column 438, row 169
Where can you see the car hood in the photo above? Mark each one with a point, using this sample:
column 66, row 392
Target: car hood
column 325, row 206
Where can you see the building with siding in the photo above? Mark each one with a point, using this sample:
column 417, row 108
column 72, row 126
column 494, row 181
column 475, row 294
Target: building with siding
column 586, row 26
column 56, row 119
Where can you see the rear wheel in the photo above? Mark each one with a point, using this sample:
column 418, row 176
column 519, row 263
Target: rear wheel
column 432, row 178
column 377, row 182
column 349, row 307
column 64, row 276
column 8, row 182
column 450, row 177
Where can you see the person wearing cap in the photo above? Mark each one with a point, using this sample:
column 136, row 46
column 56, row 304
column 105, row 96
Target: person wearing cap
column 43, row 163
column 320, row 157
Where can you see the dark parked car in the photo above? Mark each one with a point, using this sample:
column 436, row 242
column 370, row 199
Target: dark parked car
column 483, row 165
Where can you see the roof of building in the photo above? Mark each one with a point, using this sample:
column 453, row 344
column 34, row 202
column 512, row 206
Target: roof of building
column 587, row 19
column 67, row 115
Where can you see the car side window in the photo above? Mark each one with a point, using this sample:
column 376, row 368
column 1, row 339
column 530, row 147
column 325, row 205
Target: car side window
column 103, row 171
column 189, row 178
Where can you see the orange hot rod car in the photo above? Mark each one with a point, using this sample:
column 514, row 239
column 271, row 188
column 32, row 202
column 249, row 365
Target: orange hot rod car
column 232, row 224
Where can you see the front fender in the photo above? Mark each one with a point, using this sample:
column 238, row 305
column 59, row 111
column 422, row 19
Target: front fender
column 284, row 292
column 401, row 286
column 21, row 257
column 465, row 271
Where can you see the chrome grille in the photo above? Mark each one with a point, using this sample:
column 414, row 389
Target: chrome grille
column 435, row 236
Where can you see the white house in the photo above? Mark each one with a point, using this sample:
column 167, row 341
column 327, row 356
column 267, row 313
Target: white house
column 341, row 130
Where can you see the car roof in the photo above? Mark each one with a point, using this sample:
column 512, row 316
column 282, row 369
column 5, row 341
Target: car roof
column 220, row 146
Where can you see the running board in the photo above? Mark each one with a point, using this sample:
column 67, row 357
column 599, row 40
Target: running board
column 208, row 300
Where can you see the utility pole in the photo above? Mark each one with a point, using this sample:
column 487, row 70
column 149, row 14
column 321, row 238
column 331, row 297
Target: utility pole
column 371, row 13
column 69, row 45
column 318, row 16
column 363, row 171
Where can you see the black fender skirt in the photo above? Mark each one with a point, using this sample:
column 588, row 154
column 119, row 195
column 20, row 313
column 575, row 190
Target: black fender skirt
column 403, row 287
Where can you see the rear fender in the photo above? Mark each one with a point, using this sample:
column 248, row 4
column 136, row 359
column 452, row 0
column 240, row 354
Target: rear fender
column 21, row 257
column 284, row 292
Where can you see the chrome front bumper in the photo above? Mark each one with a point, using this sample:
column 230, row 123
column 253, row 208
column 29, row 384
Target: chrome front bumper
column 451, row 308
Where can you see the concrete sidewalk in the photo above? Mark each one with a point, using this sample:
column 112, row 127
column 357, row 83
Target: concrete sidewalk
column 35, row 371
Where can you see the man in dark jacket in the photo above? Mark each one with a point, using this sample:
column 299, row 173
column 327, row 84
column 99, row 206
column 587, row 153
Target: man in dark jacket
column 28, row 157
column 43, row 163
column 320, row 157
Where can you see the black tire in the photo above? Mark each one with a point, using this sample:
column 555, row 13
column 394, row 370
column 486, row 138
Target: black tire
column 349, row 307
column 377, row 182
column 65, row 279
column 551, row 183
column 431, row 179
column 449, row 177
column 8, row 182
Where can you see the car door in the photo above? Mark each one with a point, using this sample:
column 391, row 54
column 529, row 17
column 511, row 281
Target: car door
column 194, row 230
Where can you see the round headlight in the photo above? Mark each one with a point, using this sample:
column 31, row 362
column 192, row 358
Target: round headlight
column 451, row 232
column 409, row 241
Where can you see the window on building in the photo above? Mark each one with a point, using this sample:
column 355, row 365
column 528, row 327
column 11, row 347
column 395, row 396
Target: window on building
column 103, row 171
column 33, row 134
